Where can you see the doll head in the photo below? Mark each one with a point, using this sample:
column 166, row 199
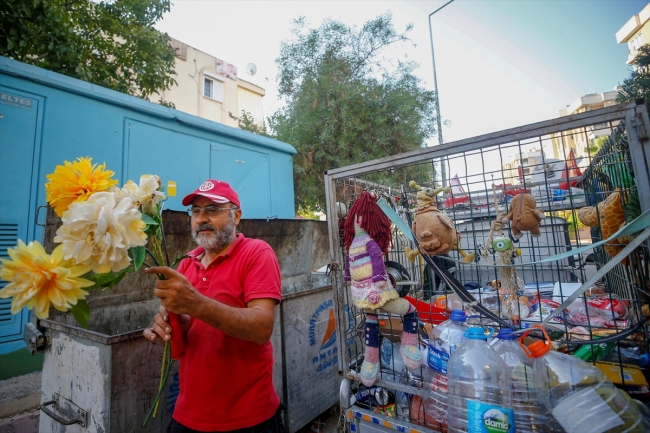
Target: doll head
column 368, row 216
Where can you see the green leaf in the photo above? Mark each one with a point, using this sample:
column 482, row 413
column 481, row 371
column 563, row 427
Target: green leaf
column 106, row 280
column 149, row 220
column 118, row 277
column 100, row 280
column 139, row 254
column 81, row 313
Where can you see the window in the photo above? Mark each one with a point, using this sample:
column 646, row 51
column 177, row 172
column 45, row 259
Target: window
column 213, row 88
column 636, row 42
column 207, row 88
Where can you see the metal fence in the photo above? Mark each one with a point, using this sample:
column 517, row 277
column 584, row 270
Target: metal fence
column 558, row 162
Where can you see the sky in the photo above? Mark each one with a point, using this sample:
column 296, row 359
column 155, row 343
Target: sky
column 499, row 63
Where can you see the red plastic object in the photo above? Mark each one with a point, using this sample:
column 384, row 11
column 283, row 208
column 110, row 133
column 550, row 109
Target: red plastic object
column 178, row 339
column 427, row 312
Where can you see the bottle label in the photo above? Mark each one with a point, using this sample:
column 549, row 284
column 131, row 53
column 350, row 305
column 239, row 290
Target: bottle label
column 438, row 360
column 386, row 352
column 489, row 418
column 440, row 350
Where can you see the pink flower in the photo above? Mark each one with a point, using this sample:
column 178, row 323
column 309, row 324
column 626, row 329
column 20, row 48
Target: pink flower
column 374, row 297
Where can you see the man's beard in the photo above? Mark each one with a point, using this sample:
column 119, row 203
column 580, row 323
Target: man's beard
column 217, row 242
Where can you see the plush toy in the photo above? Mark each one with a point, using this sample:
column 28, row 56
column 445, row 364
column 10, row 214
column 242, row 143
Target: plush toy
column 612, row 216
column 367, row 238
column 434, row 231
column 523, row 216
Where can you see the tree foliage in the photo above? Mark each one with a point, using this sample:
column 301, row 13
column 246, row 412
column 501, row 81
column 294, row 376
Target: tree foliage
column 247, row 122
column 637, row 85
column 109, row 43
column 345, row 101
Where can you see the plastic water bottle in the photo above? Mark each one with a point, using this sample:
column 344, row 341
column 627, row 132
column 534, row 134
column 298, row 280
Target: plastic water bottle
column 390, row 357
column 402, row 399
column 446, row 338
column 580, row 396
column 480, row 395
column 530, row 414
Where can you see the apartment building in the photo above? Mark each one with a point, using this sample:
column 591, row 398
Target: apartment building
column 209, row 87
column 580, row 140
column 635, row 32
column 558, row 146
column 528, row 161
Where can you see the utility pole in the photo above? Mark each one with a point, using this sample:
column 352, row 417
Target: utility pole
column 443, row 168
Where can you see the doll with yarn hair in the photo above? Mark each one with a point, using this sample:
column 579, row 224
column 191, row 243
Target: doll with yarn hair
column 367, row 238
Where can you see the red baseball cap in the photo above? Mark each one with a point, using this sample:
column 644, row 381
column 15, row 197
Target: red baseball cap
column 216, row 190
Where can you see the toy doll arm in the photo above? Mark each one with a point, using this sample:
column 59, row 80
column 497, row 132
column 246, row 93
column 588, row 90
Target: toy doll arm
column 377, row 262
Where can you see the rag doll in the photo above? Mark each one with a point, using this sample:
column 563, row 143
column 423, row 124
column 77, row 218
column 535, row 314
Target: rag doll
column 523, row 216
column 435, row 232
column 367, row 238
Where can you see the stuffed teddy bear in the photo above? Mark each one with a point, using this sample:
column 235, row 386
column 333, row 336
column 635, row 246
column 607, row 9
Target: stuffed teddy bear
column 612, row 217
column 367, row 238
column 434, row 231
column 523, row 216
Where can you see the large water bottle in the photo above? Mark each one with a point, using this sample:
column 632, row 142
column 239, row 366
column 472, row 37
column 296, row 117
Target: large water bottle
column 530, row 415
column 446, row 338
column 480, row 396
column 579, row 395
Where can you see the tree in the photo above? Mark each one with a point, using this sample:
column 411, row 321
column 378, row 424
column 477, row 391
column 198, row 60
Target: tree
column 637, row 85
column 345, row 102
column 109, row 43
column 596, row 144
column 247, row 122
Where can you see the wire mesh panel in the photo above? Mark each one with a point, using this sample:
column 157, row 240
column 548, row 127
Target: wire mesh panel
column 587, row 173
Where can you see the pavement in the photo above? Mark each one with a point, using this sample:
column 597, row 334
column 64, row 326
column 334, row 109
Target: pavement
column 25, row 422
column 20, row 397
column 327, row 422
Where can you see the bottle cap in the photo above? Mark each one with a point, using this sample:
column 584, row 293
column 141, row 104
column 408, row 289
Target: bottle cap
column 476, row 334
column 458, row 315
column 538, row 348
column 506, row 334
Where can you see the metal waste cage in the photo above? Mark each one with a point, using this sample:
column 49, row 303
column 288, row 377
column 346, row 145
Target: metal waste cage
column 566, row 164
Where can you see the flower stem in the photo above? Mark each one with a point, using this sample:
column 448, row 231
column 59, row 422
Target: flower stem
column 167, row 362
column 156, row 253
column 162, row 374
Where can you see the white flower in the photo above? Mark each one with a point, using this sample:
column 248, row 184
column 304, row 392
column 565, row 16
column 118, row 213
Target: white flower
column 99, row 232
column 146, row 194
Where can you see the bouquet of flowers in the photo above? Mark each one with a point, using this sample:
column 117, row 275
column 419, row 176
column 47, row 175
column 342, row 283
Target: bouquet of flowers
column 106, row 232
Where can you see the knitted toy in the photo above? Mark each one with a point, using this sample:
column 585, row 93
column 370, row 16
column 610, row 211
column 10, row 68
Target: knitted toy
column 435, row 232
column 367, row 237
column 509, row 285
column 612, row 216
column 524, row 216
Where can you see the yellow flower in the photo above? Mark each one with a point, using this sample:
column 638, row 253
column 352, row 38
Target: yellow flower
column 38, row 279
column 76, row 181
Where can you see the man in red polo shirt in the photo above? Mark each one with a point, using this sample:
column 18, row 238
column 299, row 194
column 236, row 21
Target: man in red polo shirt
column 226, row 293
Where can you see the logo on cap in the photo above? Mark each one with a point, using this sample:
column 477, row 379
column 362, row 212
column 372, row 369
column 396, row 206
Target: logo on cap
column 206, row 186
